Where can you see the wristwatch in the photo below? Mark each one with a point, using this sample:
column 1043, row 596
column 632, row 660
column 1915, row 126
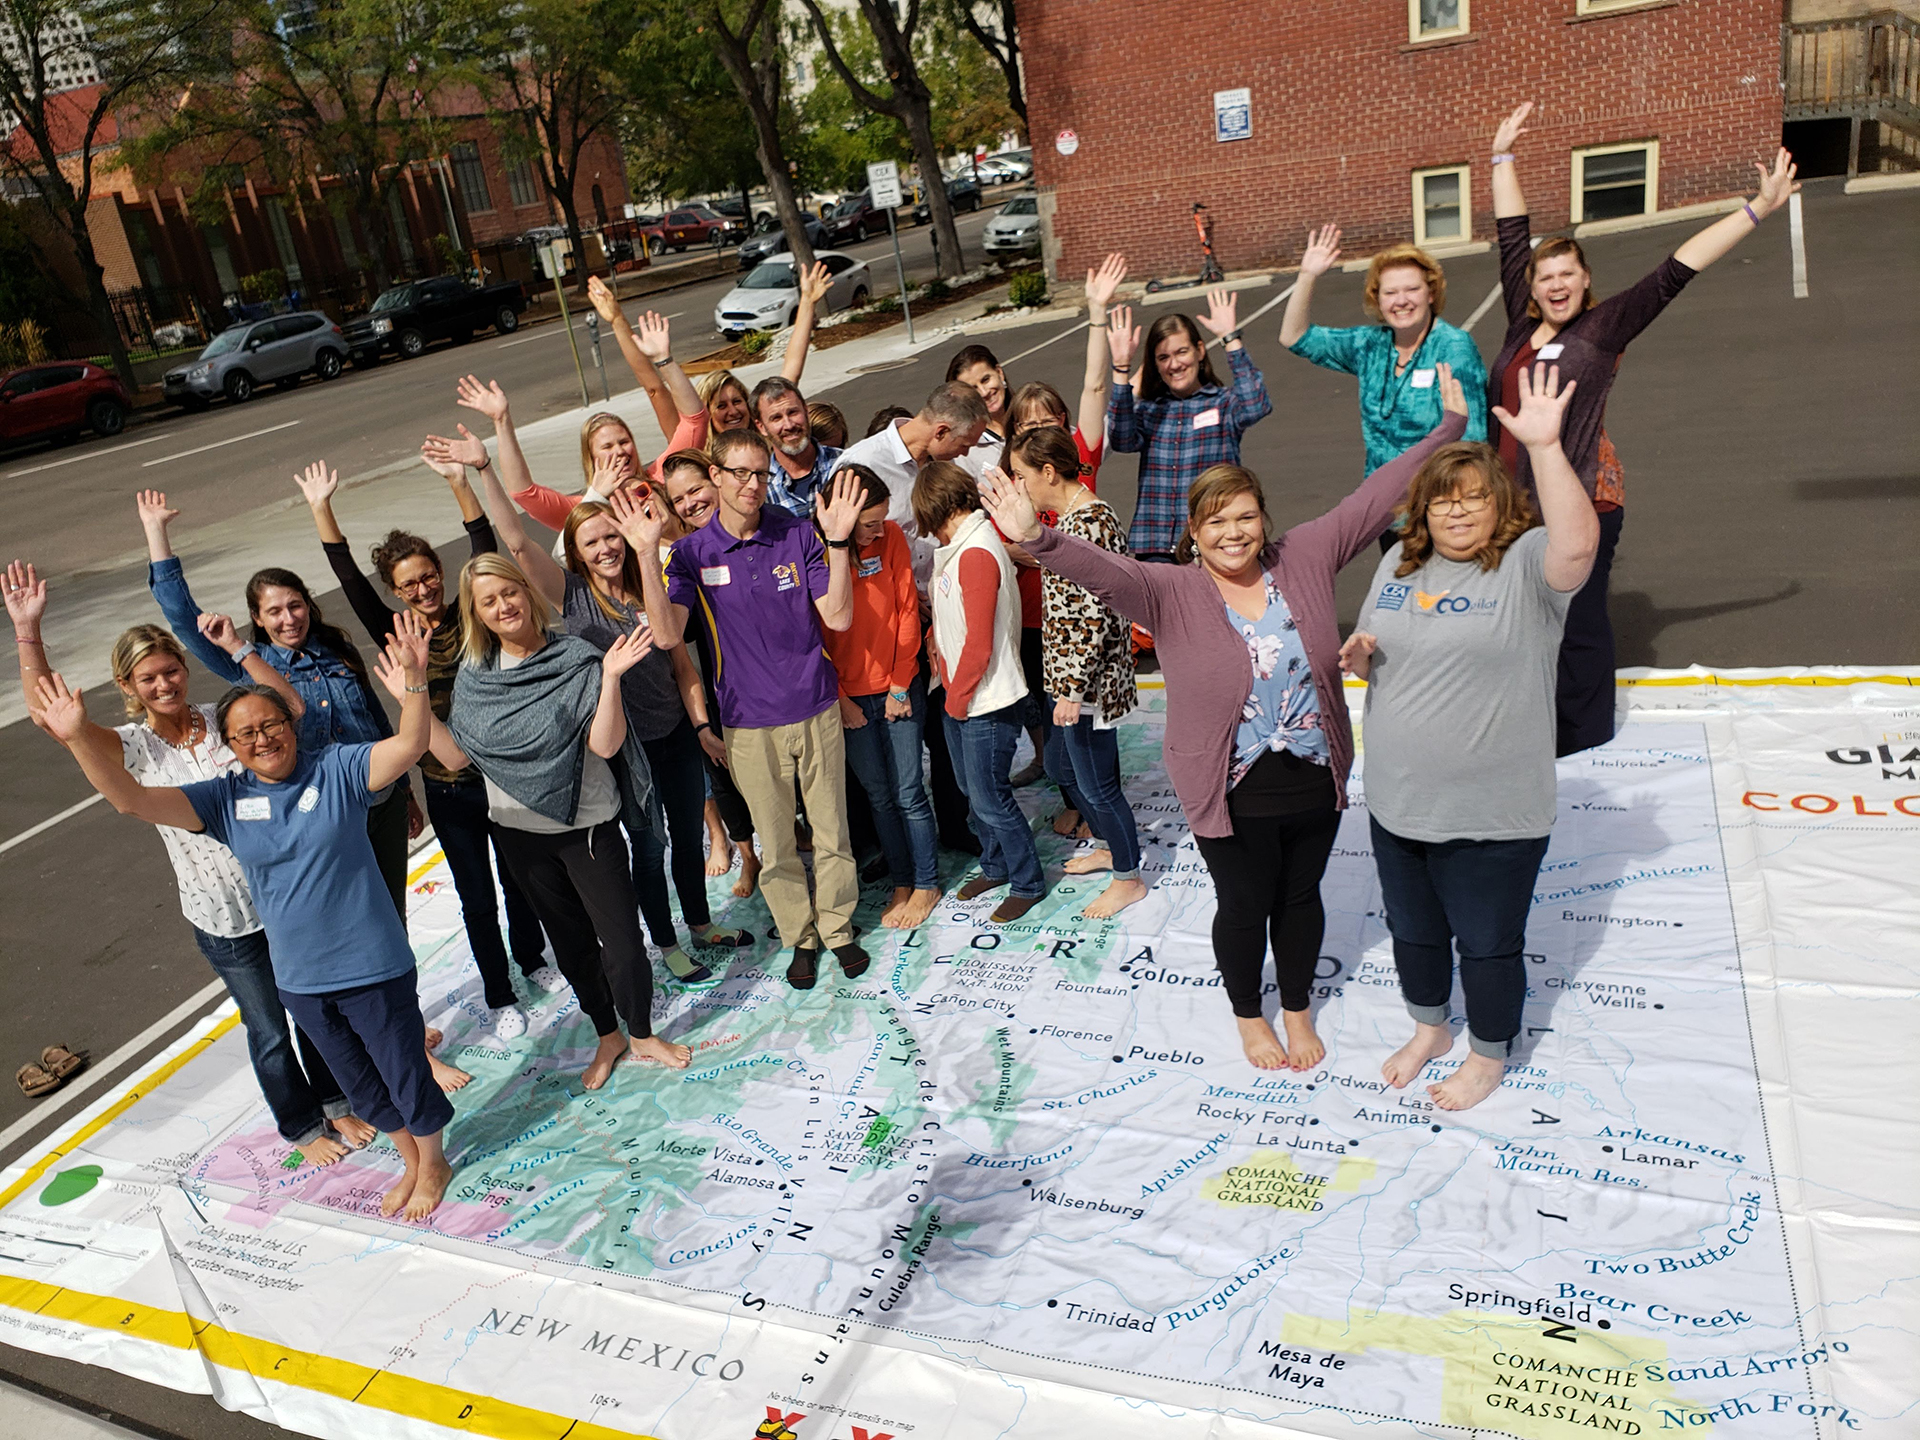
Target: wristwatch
column 245, row 653
column 1230, row 337
column 840, row 544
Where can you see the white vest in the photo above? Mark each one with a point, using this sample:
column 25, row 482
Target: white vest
column 1004, row 682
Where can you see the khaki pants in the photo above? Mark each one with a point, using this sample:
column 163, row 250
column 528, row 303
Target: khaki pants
column 765, row 766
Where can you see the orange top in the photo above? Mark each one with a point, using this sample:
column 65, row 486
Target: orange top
column 880, row 651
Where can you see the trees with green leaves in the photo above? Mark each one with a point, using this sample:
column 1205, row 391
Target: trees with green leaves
column 144, row 55
column 992, row 24
column 684, row 127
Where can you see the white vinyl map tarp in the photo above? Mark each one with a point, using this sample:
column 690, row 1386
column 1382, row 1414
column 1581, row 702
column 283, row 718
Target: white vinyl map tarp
column 1019, row 1181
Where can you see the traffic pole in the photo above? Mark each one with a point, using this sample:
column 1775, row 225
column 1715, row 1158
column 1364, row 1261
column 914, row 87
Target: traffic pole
column 593, row 339
column 573, row 343
column 900, row 269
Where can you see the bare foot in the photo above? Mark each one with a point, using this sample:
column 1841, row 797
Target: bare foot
column 324, row 1151
column 1090, row 863
column 1118, row 895
column 355, row 1131
column 889, row 916
column 661, row 1052
column 448, row 1077
column 434, row 1037
column 1261, row 1044
column 919, row 905
column 1478, row 1077
column 1429, row 1042
column 719, row 855
column 429, row 1188
column 1067, row 822
column 392, row 1202
column 1304, row 1049
column 749, row 879
column 606, row 1055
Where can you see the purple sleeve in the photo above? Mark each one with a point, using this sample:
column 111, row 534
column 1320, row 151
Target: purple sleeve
column 1352, row 525
column 1612, row 324
column 813, row 555
column 683, row 585
column 1125, row 584
column 1516, row 257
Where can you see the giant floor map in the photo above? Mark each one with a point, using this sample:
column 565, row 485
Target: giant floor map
column 1019, row 1181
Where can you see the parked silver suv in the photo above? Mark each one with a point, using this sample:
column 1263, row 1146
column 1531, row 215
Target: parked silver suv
column 281, row 349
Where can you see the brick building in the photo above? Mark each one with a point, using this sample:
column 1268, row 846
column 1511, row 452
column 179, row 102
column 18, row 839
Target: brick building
column 1379, row 115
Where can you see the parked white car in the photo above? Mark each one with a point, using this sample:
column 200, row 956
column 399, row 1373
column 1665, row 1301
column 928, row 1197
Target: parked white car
column 770, row 294
column 1015, row 230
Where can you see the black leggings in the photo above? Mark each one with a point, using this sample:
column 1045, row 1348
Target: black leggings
column 582, row 891
column 1584, row 691
column 1267, row 879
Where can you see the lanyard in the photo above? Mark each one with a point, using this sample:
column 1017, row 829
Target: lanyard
column 1390, row 381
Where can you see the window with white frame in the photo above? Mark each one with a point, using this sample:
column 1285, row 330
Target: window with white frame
column 1436, row 19
column 1612, row 181
column 1442, row 205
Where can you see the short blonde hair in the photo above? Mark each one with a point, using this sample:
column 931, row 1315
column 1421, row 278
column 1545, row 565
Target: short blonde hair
column 1393, row 258
column 130, row 649
column 709, row 386
column 595, row 424
column 478, row 644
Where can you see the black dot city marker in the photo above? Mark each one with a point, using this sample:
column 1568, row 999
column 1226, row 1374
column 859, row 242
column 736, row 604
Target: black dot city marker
column 1026, row 1182
column 1607, row 1148
column 1119, row 1059
column 1658, row 1006
column 1052, row 1304
column 1436, row 1129
column 1604, row 1324
column 1033, row 1032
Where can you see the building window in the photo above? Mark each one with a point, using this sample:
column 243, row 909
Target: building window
column 471, row 176
column 1610, row 181
column 521, row 183
column 283, row 237
column 1435, row 19
column 1442, row 205
column 1601, row 7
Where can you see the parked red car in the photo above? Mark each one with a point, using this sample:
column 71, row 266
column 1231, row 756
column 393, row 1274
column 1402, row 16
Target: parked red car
column 59, row 399
column 690, row 225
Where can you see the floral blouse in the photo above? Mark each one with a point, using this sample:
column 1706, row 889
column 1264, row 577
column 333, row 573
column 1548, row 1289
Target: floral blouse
column 1283, row 710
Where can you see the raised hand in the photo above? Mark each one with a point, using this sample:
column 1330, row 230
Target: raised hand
column 815, row 282
column 402, row 666
column 1103, row 282
column 26, row 595
column 1776, row 182
column 1223, row 308
column 840, row 513
column 61, row 712
column 640, row 518
column 1123, row 336
column 444, row 454
column 489, row 399
column 655, row 337
column 221, row 631
column 1356, row 656
column 628, row 651
column 1512, row 128
column 1323, row 248
column 1009, row 504
column 605, row 303
column 154, row 511
column 448, row 470
column 1453, row 397
column 1542, row 404
column 317, row 483
column 610, row 473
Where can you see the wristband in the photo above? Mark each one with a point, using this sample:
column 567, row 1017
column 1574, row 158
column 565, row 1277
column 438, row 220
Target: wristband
column 1750, row 215
column 1505, row 157
column 705, row 725
column 26, row 639
column 416, row 689
column 1096, row 324
column 1230, row 337
column 840, row 544
column 485, row 461
column 898, row 695
column 245, row 653
column 664, row 360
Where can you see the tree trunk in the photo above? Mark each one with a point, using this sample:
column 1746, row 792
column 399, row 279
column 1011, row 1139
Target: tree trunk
column 737, row 59
column 918, row 118
column 98, row 304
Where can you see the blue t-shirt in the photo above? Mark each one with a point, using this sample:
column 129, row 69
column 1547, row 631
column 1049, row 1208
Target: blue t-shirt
column 1283, row 710
column 302, row 843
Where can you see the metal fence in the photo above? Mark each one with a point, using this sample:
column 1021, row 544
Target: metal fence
column 1863, row 68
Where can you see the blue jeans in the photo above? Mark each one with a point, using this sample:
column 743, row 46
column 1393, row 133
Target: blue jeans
column 982, row 747
column 885, row 756
column 459, row 816
column 1085, row 764
column 1475, row 893
column 299, row 1088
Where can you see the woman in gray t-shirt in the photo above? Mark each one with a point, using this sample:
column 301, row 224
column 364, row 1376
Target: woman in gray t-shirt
column 1458, row 643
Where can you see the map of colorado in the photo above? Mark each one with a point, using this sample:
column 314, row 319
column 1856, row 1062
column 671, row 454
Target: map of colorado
column 1017, row 1172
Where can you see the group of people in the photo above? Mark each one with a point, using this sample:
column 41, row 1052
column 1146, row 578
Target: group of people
column 771, row 648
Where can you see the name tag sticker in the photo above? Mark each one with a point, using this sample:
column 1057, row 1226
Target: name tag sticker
column 870, row 566
column 1550, row 352
column 1207, row 419
column 253, row 807
column 716, row 575
column 1421, row 380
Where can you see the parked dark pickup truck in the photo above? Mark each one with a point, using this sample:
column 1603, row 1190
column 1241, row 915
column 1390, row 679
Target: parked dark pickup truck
column 407, row 317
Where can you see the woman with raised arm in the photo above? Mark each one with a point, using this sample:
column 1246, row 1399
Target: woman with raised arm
column 1457, row 643
column 1258, row 741
column 725, row 395
column 1552, row 315
column 540, row 714
column 1037, row 403
column 295, row 820
column 612, row 584
column 171, row 741
column 320, row 661
column 676, row 405
column 410, row 568
column 1394, row 360
column 1184, row 419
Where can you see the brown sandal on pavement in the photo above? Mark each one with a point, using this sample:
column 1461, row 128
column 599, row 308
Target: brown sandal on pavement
column 61, row 1061
column 35, row 1081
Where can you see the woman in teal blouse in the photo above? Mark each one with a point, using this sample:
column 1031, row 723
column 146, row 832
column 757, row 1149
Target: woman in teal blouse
column 1395, row 359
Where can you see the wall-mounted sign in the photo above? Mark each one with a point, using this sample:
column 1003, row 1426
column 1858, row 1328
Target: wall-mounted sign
column 1066, row 142
column 1233, row 114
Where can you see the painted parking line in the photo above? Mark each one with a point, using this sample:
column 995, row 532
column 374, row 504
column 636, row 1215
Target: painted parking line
column 1482, row 308
column 202, row 449
column 91, row 454
column 48, row 823
column 1798, row 238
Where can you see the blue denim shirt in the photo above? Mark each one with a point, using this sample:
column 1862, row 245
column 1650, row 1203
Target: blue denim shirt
column 339, row 708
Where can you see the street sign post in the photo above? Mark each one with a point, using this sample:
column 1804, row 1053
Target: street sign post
column 553, row 259
column 883, row 185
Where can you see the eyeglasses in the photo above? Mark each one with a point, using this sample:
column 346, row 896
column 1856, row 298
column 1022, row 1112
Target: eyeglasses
column 414, row 587
column 1468, row 504
column 742, row 475
column 265, row 730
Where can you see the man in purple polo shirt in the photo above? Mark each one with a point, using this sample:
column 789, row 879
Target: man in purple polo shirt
column 764, row 584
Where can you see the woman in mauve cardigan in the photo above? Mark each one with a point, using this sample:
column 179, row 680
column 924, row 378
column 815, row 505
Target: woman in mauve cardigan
column 1204, row 658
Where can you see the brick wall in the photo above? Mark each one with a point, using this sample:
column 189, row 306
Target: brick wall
column 601, row 163
column 1344, row 110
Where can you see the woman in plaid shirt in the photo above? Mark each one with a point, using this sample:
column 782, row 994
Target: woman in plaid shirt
column 1184, row 419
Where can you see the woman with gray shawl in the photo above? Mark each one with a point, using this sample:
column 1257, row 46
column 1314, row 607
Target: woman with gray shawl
column 539, row 713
